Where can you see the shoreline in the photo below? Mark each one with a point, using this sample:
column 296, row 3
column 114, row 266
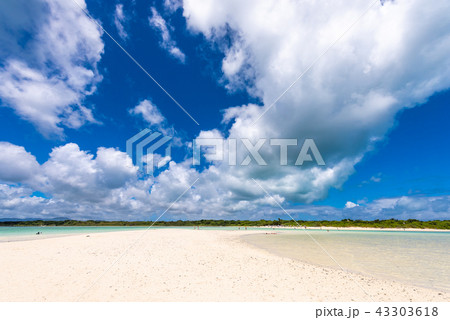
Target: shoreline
column 179, row 265
column 345, row 224
column 14, row 238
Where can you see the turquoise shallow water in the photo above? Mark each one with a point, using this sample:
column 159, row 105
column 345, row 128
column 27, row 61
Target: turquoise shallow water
column 418, row 258
column 31, row 231
column 23, row 233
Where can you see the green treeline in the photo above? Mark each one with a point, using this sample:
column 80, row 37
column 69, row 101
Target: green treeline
column 391, row 223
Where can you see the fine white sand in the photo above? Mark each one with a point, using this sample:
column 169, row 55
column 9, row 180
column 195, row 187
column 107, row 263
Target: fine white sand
column 178, row 265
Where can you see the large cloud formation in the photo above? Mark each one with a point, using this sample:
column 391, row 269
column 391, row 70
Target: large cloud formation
column 395, row 57
column 78, row 185
column 73, row 180
column 49, row 62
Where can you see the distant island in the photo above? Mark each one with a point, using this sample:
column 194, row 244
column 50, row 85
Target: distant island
column 345, row 223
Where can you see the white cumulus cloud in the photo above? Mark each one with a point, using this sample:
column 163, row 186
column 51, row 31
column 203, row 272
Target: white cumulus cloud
column 154, row 119
column 45, row 77
column 17, row 165
column 348, row 99
column 76, row 175
column 350, row 205
column 149, row 112
column 81, row 185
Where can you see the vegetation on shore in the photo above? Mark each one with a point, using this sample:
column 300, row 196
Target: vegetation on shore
column 391, row 223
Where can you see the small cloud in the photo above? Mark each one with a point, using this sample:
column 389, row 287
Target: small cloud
column 154, row 118
column 167, row 43
column 149, row 112
column 376, row 178
column 119, row 19
column 350, row 205
column 176, row 52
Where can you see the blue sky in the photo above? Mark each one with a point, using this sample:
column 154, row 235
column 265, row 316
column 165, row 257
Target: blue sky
column 376, row 104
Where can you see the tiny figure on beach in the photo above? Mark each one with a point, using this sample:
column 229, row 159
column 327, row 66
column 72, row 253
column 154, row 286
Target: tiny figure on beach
column 38, row 232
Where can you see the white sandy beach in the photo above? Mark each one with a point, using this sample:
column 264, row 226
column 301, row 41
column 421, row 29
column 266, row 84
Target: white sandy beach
column 178, row 265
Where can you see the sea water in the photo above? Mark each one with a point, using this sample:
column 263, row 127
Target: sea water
column 417, row 258
column 26, row 233
column 30, row 233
